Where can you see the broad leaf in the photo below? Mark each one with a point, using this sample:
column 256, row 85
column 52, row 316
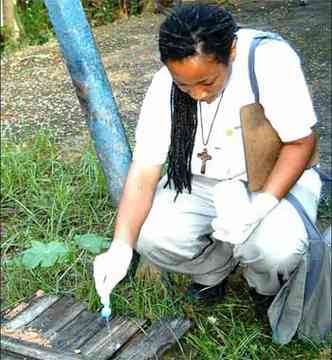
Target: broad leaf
column 45, row 255
column 92, row 242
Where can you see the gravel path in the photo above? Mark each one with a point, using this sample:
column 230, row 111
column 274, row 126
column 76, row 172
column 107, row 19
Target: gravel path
column 37, row 92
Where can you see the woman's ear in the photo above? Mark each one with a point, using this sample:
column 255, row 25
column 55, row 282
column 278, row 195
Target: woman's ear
column 232, row 55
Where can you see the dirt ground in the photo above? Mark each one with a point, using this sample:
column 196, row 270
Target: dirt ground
column 37, row 92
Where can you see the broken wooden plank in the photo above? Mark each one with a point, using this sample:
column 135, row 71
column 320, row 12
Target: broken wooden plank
column 54, row 312
column 110, row 339
column 157, row 339
column 78, row 331
column 33, row 351
column 31, row 312
column 68, row 315
column 26, row 334
column 55, row 328
column 11, row 356
column 88, row 331
column 10, row 312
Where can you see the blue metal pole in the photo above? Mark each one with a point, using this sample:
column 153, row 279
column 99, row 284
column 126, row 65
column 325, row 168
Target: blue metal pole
column 93, row 90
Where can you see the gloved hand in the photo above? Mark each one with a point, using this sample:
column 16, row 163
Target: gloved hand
column 261, row 206
column 236, row 222
column 111, row 267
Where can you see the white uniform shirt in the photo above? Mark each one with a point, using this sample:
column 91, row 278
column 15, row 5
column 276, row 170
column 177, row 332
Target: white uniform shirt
column 283, row 94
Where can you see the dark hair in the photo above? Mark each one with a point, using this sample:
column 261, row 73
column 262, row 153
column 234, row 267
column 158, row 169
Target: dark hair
column 191, row 30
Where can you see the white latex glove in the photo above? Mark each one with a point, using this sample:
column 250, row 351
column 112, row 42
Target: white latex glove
column 110, row 268
column 241, row 217
column 232, row 203
column 262, row 204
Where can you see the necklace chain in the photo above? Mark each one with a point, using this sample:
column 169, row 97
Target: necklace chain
column 213, row 120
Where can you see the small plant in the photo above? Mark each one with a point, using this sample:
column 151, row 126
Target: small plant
column 92, row 243
column 47, row 254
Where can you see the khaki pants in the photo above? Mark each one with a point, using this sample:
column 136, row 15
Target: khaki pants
column 176, row 236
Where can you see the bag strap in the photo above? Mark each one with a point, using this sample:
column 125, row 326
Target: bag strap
column 317, row 248
column 251, row 59
column 257, row 39
column 311, row 228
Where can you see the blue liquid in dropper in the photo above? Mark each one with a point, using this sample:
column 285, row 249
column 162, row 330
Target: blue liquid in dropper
column 106, row 313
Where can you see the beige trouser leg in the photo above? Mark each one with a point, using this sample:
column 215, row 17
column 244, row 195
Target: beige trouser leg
column 278, row 244
column 264, row 257
column 174, row 237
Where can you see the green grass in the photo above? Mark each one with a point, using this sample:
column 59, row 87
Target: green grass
column 47, row 198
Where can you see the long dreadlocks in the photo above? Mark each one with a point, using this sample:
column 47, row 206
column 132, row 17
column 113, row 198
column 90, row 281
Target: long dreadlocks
column 191, row 30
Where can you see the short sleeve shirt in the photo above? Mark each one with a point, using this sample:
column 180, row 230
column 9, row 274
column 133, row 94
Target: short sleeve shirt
column 283, row 93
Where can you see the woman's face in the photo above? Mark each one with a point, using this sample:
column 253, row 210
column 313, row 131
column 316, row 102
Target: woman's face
column 200, row 76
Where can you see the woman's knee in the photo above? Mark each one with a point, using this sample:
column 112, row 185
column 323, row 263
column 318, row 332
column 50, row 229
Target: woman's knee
column 171, row 247
column 147, row 241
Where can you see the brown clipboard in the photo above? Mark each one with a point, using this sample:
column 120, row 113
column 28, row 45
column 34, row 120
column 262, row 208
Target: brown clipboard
column 262, row 145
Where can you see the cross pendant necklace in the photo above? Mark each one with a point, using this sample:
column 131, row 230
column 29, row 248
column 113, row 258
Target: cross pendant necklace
column 204, row 155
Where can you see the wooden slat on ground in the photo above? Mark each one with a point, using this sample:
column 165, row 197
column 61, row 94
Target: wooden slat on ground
column 109, row 340
column 31, row 312
column 57, row 328
column 156, row 340
column 59, row 315
column 33, row 351
column 11, row 357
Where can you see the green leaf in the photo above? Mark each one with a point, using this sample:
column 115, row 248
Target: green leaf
column 45, row 255
column 30, row 260
column 92, row 242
